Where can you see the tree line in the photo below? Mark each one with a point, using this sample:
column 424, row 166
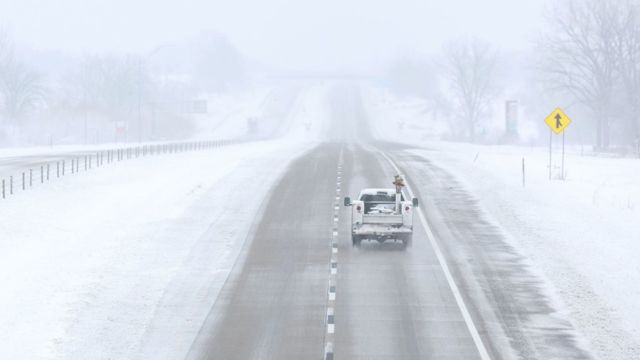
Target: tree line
column 587, row 55
column 105, row 88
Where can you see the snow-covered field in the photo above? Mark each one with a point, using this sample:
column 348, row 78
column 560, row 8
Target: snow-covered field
column 111, row 263
column 583, row 233
column 91, row 265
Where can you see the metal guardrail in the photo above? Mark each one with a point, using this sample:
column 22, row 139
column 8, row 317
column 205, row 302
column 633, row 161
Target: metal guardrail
column 75, row 164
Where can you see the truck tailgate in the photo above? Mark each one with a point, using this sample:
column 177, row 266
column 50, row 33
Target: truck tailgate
column 382, row 219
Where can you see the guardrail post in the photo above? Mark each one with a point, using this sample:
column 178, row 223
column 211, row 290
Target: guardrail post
column 48, row 170
column 30, row 177
column 3, row 194
column 41, row 174
column 11, row 185
column 23, row 181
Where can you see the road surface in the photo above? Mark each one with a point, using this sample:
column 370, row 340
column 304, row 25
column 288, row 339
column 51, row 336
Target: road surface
column 299, row 290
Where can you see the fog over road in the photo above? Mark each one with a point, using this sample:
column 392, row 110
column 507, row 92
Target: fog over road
column 299, row 290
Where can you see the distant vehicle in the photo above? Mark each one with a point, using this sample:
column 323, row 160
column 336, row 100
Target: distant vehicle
column 381, row 215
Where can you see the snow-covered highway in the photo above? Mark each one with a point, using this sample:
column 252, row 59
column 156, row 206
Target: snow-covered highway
column 244, row 252
column 290, row 292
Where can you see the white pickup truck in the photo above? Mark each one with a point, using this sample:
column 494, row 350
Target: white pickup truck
column 381, row 215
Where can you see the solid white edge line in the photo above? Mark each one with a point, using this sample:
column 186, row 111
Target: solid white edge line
column 447, row 273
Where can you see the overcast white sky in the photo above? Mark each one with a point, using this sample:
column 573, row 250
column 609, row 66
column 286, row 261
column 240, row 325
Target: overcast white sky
column 287, row 33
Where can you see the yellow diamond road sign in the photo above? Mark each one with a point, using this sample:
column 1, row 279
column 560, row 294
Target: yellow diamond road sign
column 558, row 121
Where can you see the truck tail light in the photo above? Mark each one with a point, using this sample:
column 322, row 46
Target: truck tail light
column 358, row 208
column 407, row 208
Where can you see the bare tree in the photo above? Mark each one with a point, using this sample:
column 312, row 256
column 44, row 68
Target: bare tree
column 6, row 57
column 22, row 91
column 6, row 50
column 630, row 69
column 471, row 72
column 105, row 84
column 581, row 55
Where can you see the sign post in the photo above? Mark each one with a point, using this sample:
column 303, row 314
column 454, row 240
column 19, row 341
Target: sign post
column 550, row 152
column 558, row 122
column 562, row 167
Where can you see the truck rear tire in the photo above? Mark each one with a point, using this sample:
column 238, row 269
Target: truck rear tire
column 355, row 241
column 406, row 242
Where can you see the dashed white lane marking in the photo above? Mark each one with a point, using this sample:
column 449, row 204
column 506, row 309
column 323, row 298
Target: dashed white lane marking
column 328, row 351
column 473, row 330
column 330, row 319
